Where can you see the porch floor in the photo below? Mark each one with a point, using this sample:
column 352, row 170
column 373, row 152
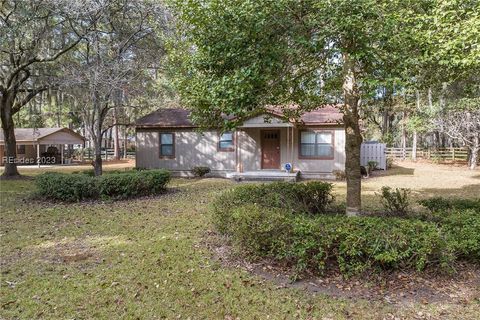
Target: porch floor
column 264, row 175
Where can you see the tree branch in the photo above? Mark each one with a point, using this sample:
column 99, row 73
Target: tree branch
column 19, row 104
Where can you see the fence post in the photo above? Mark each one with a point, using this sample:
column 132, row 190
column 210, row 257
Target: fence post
column 453, row 154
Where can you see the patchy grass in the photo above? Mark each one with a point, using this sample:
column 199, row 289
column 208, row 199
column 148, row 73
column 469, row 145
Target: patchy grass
column 146, row 258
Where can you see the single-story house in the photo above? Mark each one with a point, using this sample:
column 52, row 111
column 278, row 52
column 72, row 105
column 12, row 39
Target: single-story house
column 264, row 146
column 41, row 144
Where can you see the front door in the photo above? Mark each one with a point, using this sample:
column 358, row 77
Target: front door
column 271, row 149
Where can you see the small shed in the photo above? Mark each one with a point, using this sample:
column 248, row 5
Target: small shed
column 374, row 151
column 41, row 145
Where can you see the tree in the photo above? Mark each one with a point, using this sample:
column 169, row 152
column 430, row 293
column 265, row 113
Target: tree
column 33, row 35
column 112, row 65
column 236, row 57
column 462, row 123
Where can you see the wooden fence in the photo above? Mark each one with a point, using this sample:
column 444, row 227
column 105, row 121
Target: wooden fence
column 442, row 154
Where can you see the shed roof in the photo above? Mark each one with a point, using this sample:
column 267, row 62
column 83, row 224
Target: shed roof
column 180, row 118
column 37, row 134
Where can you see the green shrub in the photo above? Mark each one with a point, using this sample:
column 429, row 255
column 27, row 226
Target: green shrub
column 200, row 171
column 89, row 172
column 340, row 175
column 389, row 163
column 395, row 202
column 117, row 185
column 312, row 197
column 462, row 229
column 352, row 244
column 372, row 165
column 390, row 243
column 437, row 204
column 258, row 229
column 66, row 187
column 133, row 184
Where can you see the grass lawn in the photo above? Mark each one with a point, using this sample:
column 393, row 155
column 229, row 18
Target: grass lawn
column 146, row 259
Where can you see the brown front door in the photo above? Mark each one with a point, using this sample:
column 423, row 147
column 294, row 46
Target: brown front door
column 270, row 149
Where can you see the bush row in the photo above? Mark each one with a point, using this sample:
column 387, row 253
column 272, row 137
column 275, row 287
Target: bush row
column 79, row 186
column 354, row 244
column 311, row 197
column 439, row 204
column 279, row 221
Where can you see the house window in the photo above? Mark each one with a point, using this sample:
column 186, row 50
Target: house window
column 167, row 145
column 226, row 142
column 316, row 144
column 21, row 149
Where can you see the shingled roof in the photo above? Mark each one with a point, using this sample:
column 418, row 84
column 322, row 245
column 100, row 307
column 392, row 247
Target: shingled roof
column 34, row 134
column 180, row 118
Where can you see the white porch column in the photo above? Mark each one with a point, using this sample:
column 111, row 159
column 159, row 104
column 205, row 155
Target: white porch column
column 38, row 154
column 292, row 143
column 62, row 146
column 238, row 155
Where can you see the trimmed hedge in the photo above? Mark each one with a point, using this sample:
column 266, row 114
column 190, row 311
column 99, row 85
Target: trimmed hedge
column 312, row 197
column 120, row 185
column 354, row 244
column 66, row 187
column 200, row 172
column 462, row 228
column 273, row 221
column 439, row 204
column 133, row 184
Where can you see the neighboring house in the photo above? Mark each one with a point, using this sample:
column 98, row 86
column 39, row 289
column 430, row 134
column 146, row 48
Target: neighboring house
column 44, row 144
column 260, row 147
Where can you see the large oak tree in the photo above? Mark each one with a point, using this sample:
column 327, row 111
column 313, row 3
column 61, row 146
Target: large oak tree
column 236, row 57
column 33, row 35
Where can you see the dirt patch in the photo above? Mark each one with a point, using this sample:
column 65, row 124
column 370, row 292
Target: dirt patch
column 67, row 251
column 399, row 287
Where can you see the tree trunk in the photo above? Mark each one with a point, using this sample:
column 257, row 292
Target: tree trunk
column 353, row 138
column 8, row 128
column 97, row 135
column 436, row 137
column 404, row 136
column 97, row 158
column 116, row 137
column 387, row 106
column 414, row 146
column 125, row 143
column 474, row 156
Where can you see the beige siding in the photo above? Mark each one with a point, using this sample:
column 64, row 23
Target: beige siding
column 191, row 149
column 318, row 167
column 195, row 149
column 250, row 144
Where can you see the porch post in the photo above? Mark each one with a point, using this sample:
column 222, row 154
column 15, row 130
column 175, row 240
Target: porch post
column 61, row 153
column 38, row 154
column 238, row 157
column 292, row 142
column 288, row 146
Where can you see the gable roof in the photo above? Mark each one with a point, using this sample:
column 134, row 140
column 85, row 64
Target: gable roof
column 180, row 118
column 34, row 134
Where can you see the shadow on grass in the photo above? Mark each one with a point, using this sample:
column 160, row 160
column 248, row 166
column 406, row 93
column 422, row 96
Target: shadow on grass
column 471, row 191
column 396, row 170
column 371, row 201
